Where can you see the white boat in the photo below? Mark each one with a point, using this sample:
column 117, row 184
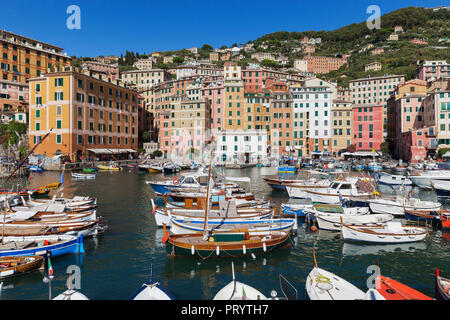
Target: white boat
column 332, row 221
column 391, row 232
column 441, row 187
column 87, row 176
column 298, row 190
column 188, row 180
column 188, row 225
column 71, row 295
column 396, row 205
column 393, row 179
column 152, row 291
column 338, row 190
column 324, row 285
column 423, row 179
column 226, row 210
column 76, row 201
column 236, row 290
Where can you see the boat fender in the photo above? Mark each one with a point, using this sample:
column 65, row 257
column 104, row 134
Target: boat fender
column 175, row 181
column 192, row 250
column 166, row 234
column 244, row 249
column 253, row 256
column 217, row 250
column 313, row 228
column 264, row 247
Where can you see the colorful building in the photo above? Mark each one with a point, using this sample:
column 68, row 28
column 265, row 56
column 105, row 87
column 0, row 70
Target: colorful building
column 341, row 125
column 368, row 127
column 87, row 116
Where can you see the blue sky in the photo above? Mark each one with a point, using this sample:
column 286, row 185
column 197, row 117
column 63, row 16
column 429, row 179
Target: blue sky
column 111, row 27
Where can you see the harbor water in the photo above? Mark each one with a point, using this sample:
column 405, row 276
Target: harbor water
column 118, row 262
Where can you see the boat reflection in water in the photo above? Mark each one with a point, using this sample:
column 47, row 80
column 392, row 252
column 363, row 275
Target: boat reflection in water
column 352, row 249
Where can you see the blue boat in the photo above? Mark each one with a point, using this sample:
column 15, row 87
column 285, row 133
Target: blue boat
column 432, row 217
column 359, row 167
column 287, row 169
column 294, row 211
column 55, row 245
column 374, row 167
column 35, row 168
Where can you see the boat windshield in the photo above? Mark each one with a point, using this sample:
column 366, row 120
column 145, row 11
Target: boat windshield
column 334, row 185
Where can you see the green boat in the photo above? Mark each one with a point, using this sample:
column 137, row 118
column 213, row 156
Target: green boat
column 89, row 169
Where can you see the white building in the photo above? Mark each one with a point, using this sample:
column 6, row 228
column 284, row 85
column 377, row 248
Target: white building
column 313, row 104
column 241, row 146
column 301, row 65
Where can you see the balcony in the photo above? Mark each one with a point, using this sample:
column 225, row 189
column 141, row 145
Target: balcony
column 431, row 146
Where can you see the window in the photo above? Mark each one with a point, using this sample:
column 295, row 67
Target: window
column 58, row 124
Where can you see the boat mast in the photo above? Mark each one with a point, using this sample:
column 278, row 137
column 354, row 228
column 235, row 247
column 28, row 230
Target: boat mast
column 205, row 225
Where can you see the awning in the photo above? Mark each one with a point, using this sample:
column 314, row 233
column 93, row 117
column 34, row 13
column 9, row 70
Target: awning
column 111, row 151
column 100, row 151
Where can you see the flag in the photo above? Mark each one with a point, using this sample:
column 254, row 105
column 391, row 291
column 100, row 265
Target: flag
column 244, row 296
column 50, row 268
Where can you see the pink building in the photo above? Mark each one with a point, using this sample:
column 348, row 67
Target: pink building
column 434, row 69
column 214, row 93
column 418, row 144
column 368, row 127
column 317, row 64
column 14, row 96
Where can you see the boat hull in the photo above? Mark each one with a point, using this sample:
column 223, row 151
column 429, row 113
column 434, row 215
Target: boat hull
column 350, row 233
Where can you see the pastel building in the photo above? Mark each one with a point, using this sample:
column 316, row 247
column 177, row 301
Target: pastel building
column 14, row 96
column 429, row 70
column 214, row 92
column 323, row 65
column 341, row 125
column 88, row 117
column 368, row 127
column 23, row 58
column 241, row 146
column 313, row 108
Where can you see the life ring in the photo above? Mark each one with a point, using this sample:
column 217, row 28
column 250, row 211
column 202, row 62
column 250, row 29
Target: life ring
column 175, row 181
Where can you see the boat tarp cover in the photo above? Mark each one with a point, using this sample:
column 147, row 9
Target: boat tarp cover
column 328, row 208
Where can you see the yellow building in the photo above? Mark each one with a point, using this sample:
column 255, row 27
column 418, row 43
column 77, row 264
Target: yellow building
column 341, row 125
column 24, row 58
column 236, row 115
column 87, row 116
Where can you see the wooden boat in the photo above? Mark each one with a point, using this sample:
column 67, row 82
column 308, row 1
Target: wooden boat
column 90, row 170
column 433, row 217
column 397, row 205
column 185, row 226
column 442, row 188
column 391, row 232
column 228, row 211
column 10, row 266
column 442, row 287
column 394, row 290
column 83, row 176
column 424, row 179
column 294, row 210
column 299, row 190
column 338, row 190
column 200, row 203
column 71, row 294
column 109, row 168
column 324, row 285
column 393, row 179
column 33, row 192
column 280, row 183
column 225, row 244
column 76, row 201
column 55, row 245
column 236, row 290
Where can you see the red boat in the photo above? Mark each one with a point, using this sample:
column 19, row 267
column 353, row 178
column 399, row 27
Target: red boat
column 394, row 290
column 445, row 225
column 442, row 287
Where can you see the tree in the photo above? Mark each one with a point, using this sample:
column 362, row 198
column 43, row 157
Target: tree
column 146, row 136
column 207, row 47
column 384, row 148
column 157, row 153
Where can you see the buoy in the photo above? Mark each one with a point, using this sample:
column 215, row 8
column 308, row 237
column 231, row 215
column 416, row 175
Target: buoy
column 244, row 249
column 193, row 250
column 313, row 228
column 264, row 247
column 217, row 250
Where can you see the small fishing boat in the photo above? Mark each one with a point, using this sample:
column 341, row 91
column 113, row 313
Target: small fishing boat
column 188, row 180
column 300, row 190
column 86, row 176
column 90, row 170
column 236, row 290
column 445, row 225
column 279, row 183
column 227, row 210
column 75, row 201
column 442, row 287
column 329, row 217
column 171, row 168
column 35, row 168
column 394, row 290
column 423, row 179
column 374, row 167
column 110, row 167
column 71, row 294
column 397, row 205
column 294, row 210
column 441, row 187
column 400, row 168
column 151, row 290
column 185, row 226
column 338, row 190
column 391, row 232
column 393, row 179
column 55, row 245
column 358, row 167
column 324, row 285
column 433, row 217
column 10, row 265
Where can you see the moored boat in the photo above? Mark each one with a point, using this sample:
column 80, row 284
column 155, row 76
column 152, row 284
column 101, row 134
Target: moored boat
column 423, row 179
column 393, row 179
column 394, row 290
column 391, row 232
column 397, row 205
column 71, row 294
column 442, row 287
column 441, row 187
column 11, row 266
column 83, row 176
